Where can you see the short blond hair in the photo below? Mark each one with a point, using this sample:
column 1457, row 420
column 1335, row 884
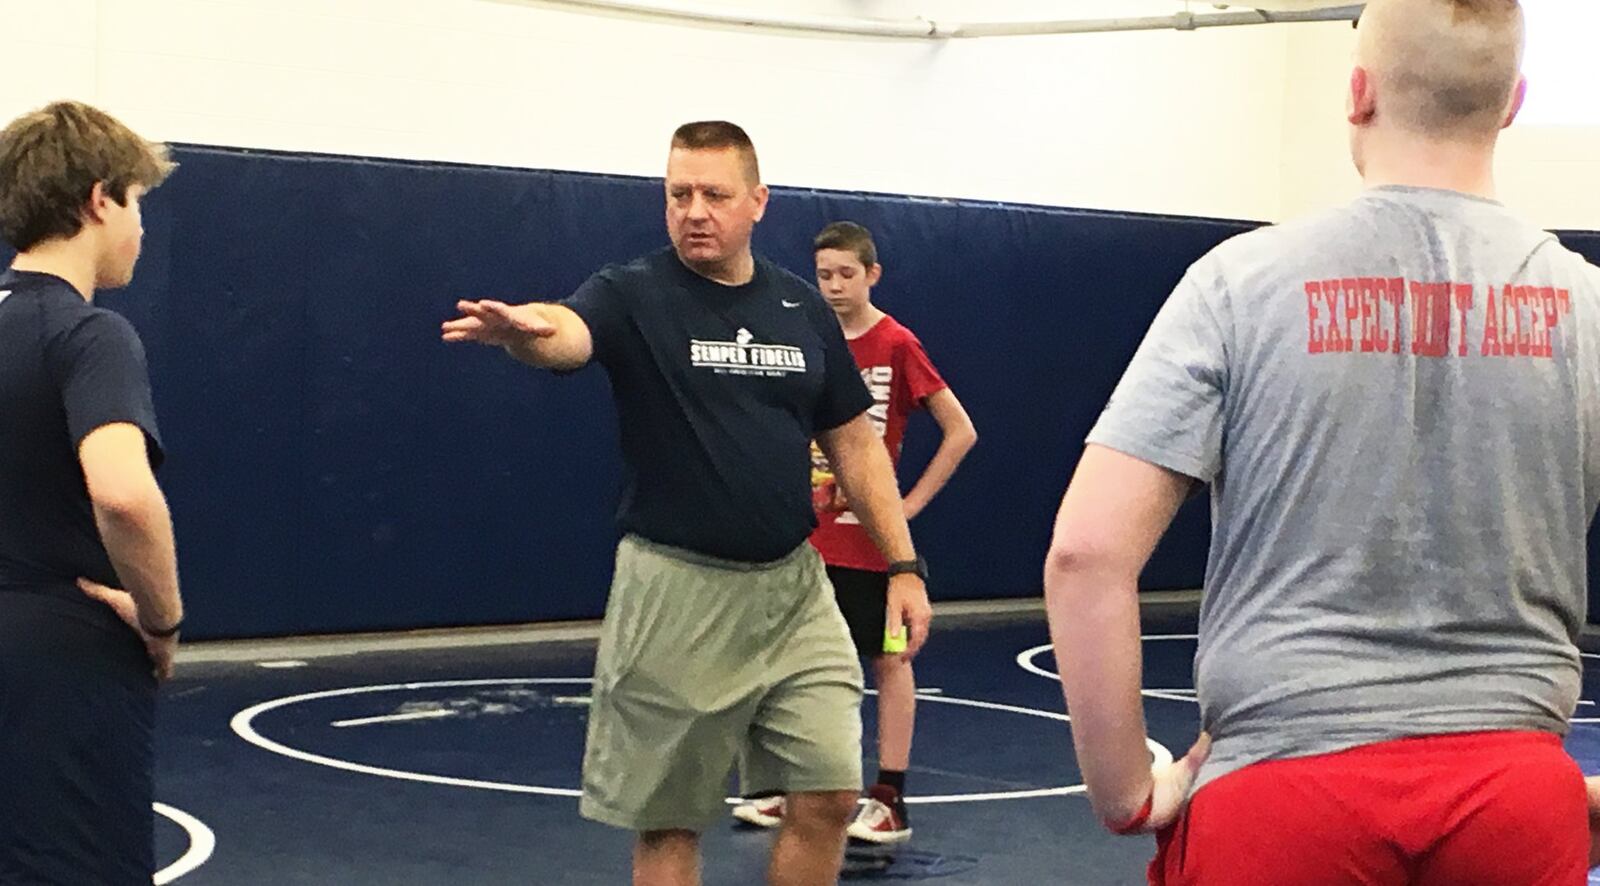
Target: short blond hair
column 50, row 161
column 719, row 135
column 1444, row 68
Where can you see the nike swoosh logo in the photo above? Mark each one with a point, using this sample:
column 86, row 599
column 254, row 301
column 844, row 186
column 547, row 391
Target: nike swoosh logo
column 790, row 304
column 4, row 293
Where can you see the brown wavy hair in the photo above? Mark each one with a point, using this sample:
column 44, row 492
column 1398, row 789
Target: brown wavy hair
column 50, row 161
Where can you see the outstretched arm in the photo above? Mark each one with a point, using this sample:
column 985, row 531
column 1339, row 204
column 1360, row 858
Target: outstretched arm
column 548, row 336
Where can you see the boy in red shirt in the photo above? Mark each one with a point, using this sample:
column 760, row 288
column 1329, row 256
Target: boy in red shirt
column 902, row 380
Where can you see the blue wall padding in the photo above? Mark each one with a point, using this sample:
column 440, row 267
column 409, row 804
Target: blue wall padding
column 334, row 467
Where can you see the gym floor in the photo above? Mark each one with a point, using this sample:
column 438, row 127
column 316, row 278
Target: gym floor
column 454, row 759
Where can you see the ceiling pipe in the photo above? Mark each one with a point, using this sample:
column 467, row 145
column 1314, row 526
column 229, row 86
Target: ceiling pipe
column 1182, row 21
column 928, row 29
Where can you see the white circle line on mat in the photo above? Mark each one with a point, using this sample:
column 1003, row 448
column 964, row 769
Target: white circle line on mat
column 243, row 725
column 202, row 842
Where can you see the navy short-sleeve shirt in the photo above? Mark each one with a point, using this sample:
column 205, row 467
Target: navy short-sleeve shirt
column 719, row 391
column 67, row 368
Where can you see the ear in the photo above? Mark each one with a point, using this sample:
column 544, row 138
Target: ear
column 1363, row 98
column 1518, row 95
column 874, row 274
column 761, row 194
column 96, row 208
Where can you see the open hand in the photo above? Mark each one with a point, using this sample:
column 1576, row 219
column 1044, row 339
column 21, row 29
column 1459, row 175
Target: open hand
column 497, row 323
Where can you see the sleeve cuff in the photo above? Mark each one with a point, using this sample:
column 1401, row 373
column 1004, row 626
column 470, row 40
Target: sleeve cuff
column 1179, row 462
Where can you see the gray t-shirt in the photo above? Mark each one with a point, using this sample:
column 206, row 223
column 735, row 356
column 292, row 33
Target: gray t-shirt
column 1397, row 406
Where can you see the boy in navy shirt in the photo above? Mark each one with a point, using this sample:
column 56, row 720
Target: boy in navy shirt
column 83, row 517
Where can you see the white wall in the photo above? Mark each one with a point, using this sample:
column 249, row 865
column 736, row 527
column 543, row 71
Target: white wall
column 1184, row 123
column 1240, row 122
column 1549, row 173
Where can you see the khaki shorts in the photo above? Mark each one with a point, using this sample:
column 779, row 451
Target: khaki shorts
column 706, row 663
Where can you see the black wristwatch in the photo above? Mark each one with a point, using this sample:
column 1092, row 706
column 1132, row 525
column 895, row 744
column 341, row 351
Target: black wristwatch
column 917, row 567
column 163, row 634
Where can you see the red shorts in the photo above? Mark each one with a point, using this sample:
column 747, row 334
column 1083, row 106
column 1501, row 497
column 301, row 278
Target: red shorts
column 1490, row 808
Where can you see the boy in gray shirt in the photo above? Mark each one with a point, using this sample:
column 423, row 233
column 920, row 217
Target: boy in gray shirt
column 1397, row 407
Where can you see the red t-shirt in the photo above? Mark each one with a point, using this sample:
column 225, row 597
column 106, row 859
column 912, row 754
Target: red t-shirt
column 901, row 378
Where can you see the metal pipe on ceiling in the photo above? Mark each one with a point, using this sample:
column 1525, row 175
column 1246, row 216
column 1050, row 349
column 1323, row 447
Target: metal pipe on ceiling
column 929, row 29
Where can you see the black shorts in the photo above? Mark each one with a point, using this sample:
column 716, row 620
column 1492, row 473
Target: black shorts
column 864, row 599
column 77, row 715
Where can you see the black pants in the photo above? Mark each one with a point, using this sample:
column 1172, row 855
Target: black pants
column 77, row 714
column 864, row 599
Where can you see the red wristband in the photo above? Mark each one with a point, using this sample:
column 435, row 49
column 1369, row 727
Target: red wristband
column 1136, row 823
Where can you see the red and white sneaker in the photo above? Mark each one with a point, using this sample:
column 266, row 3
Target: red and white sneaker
column 882, row 818
column 764, row 812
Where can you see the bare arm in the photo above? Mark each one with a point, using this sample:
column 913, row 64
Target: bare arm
column 1113, row 514
column 959, row 436
column 136, row 529
column 862, row 466
column 133, row 519
column 548, row 336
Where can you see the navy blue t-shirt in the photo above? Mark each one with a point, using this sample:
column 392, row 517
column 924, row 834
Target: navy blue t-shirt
column 719, row 391
column 66, row 369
